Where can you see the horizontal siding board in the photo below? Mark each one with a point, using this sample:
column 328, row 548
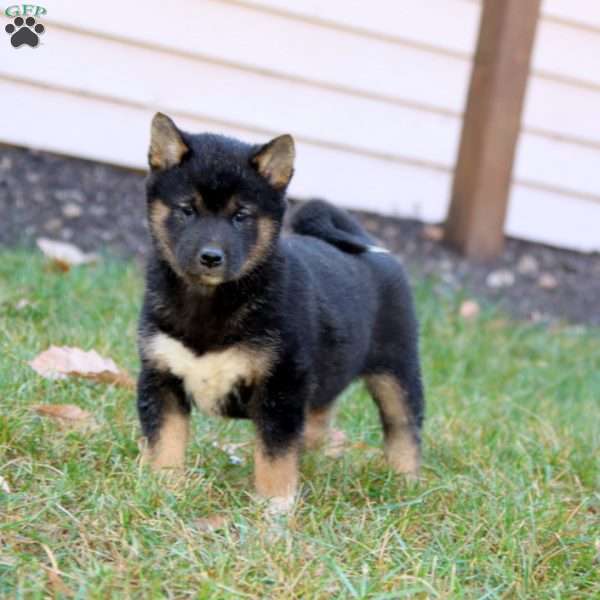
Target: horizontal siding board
column 245, row 98
column 553, row 219
column 253, row 101
column 565, row 110
column 116, row 133
column 567, row 52
column 583, row 12
column 346, row 95
column 416, row 22
column 558, row 164
column 276, row 44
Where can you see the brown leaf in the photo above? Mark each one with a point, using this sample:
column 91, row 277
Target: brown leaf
column 55, row 582
column 433, row 233
column 67, row 412
column 64, row 255
column 211, row 523
column 469, row 309
column 60, row 362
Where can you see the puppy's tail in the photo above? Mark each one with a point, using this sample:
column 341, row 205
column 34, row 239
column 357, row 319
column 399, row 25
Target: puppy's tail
column 322, row 220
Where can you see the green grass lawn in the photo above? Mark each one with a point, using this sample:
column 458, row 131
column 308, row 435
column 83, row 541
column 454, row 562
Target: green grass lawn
column 508, row 505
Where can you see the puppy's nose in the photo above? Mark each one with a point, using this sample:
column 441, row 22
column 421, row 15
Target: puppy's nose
column 211, row 257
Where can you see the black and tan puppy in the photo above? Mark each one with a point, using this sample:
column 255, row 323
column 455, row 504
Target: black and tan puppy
column 246, row 323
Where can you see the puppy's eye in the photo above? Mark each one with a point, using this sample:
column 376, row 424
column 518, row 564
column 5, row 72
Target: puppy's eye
column 241, row 215
column 186, row 209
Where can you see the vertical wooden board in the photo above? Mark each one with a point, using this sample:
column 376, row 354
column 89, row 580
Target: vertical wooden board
column 491, row 127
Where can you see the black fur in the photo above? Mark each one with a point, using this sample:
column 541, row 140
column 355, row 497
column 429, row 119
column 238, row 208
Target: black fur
column 331, row 309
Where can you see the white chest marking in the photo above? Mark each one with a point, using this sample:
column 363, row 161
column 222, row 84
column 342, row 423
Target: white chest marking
column 210, row 377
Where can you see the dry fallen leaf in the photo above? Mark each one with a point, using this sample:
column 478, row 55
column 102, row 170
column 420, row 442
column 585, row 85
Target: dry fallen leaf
column 60, row 362
column 55, row 582
column 67, row 412
column 64, row 255
column 211, row 523
column 469, row 309
column 434, row 233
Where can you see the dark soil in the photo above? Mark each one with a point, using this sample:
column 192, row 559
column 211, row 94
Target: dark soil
column 101, row 207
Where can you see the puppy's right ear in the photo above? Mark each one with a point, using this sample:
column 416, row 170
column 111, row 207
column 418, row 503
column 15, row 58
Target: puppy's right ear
column 167, row 147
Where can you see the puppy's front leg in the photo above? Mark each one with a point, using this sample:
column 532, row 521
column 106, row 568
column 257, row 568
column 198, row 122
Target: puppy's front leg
column 276, row 475
column 164, row 416
column 279, row 425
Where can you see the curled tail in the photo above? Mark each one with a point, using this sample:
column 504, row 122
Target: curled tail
column 322, row 220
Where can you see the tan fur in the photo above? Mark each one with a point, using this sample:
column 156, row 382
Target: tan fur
column 159, row 213
column 276, row 478
column 168, row 451
column 317, row 428
column 401, row 448
column 264, row 242
column 210, row 377
column 166, row 144
column 275, row 162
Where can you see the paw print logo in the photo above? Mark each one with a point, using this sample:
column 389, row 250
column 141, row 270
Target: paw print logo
column 24, row 31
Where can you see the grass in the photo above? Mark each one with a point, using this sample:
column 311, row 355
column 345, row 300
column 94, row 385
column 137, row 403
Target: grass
column 508, row 506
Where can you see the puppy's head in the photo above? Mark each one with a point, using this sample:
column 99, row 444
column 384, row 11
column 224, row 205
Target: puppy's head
column 215, row 205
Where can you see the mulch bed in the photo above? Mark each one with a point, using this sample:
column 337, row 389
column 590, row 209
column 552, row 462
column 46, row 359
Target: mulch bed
column 98, row 206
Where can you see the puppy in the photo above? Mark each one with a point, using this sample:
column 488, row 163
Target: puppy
column 243, row 322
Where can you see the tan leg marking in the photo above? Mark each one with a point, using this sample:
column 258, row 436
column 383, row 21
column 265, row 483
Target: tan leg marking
column 168, row 451
column 316, row 428
column 401, row 448
column 276, row 478
column 318, row 433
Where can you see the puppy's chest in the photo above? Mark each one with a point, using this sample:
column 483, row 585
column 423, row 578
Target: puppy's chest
column 220, row 382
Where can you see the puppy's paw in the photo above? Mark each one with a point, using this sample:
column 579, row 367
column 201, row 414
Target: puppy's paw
column 408, row 471
column 280, row 505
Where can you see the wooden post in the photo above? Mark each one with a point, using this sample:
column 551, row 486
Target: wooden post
column 475, row 223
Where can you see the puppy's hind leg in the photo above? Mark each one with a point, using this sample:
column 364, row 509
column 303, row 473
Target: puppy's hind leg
column 400, row 406
column 318, row 432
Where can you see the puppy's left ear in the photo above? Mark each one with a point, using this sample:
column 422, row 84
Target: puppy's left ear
column 275, row 161
column 167, row 147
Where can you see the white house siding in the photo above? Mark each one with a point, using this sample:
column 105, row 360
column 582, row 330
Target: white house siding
column 556, row 194
column 372, row 91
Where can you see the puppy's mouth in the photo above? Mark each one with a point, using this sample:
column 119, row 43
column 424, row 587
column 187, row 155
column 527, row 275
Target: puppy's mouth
column 210, row 279
column 203, row 277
